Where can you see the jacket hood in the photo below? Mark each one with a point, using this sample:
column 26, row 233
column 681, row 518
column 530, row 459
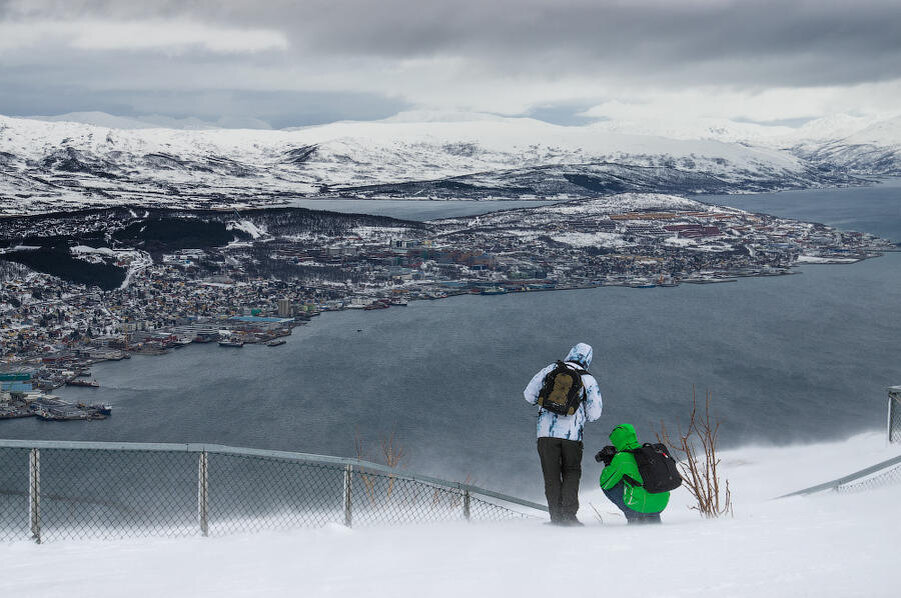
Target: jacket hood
column 580, row 354
column 623, row 437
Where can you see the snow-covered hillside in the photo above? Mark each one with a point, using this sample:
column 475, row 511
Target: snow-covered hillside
column 873, row 149
column 840, row 142
column 829, row 546
column 47, row 166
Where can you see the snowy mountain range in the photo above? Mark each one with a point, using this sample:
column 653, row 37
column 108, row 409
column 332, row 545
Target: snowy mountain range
column 59, row 165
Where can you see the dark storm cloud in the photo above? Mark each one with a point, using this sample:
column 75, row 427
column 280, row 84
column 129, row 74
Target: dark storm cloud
column 750, row 44
column 835, row 42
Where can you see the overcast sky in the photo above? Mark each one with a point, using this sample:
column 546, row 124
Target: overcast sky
column 296, row 62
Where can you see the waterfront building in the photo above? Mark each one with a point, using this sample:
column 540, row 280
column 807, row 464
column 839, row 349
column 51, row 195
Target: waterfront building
column 285, row 308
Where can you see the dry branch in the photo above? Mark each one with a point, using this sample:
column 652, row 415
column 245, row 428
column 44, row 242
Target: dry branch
column 699, row 462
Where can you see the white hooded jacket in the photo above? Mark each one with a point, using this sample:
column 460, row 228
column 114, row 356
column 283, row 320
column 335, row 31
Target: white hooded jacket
column 568, row 427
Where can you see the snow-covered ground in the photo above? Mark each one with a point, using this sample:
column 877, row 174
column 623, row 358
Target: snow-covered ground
column 828, row 545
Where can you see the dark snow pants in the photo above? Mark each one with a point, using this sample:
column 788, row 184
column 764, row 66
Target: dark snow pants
column 615, row 495
column 561, row 464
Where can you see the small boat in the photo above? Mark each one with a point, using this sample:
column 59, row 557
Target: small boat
column 276, row 342
column 231, row 343
column 493, row 291
column 85, row 383
column 101, row 408
column 666, row 281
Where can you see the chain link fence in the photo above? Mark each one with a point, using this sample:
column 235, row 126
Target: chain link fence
column 886, row 473
column 894, row 414
column 886, row 478
column 59, row 490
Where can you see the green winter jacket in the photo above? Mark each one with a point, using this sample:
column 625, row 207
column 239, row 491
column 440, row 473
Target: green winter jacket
column 623, row 438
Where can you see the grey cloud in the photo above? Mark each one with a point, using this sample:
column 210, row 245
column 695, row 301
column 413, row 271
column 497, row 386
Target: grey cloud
column 750, row 44
column 229, row 108
column 836, row 42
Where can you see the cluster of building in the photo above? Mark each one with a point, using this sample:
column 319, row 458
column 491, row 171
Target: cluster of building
column 258, row 291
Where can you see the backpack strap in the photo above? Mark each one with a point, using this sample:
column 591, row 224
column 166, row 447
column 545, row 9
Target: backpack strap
column 632, row 481
column 582, row 371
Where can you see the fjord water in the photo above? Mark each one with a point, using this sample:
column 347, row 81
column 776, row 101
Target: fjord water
column 415, row 209
column 787, row 359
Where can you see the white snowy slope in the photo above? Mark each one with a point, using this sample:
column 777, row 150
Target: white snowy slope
column 824, row 546
column 858, row 144
column 700, row 128
column 874, row 149
column 63, row 165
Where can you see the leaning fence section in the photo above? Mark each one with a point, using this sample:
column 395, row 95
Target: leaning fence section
column 888, row 477
column 885, row 473
column 59, row 490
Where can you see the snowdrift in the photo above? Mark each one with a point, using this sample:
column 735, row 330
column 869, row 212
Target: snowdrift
column 833, row 544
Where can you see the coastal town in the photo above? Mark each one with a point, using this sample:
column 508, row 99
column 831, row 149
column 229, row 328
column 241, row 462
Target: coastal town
column 263, row 281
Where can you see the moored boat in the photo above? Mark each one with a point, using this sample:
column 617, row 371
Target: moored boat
column 101, row 408
column 85, row 383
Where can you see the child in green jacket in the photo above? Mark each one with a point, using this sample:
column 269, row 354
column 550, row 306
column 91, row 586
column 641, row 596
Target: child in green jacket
column 621, row 481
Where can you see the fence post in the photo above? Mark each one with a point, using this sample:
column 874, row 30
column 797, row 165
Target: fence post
column 894, row 415
column 348, row 499
column 202, row 494
column 34, row 493
column 466, row 504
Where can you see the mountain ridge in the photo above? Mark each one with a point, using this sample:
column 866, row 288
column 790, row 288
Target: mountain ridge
column 48, row 166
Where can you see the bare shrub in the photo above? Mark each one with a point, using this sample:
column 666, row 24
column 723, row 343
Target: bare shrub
column 393, row 454
column 698, row 464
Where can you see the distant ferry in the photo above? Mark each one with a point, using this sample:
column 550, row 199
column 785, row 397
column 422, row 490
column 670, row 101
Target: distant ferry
column 709, row 280
column 87, row 383
column 229, row 343
column 56, row 415
column 276, row 342
column 493, row 291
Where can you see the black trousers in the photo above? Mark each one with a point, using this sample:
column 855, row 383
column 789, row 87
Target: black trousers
column 561, row 464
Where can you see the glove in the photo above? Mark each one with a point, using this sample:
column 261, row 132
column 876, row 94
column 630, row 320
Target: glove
column 605, row 455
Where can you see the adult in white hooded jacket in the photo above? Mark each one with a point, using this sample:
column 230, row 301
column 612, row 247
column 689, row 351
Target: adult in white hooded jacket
column 560, row 438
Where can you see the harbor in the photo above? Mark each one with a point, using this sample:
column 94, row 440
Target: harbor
column 16, row 405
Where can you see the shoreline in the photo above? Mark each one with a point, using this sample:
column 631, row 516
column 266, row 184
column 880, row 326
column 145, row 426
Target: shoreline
column 83, row 363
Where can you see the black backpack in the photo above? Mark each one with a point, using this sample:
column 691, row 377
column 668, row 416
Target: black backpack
column 657, row 469
column 561, row 392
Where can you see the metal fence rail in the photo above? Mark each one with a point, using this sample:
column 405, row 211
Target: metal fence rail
column 53, row 490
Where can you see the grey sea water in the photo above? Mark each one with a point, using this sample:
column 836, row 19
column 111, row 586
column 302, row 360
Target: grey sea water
column 787, row 359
